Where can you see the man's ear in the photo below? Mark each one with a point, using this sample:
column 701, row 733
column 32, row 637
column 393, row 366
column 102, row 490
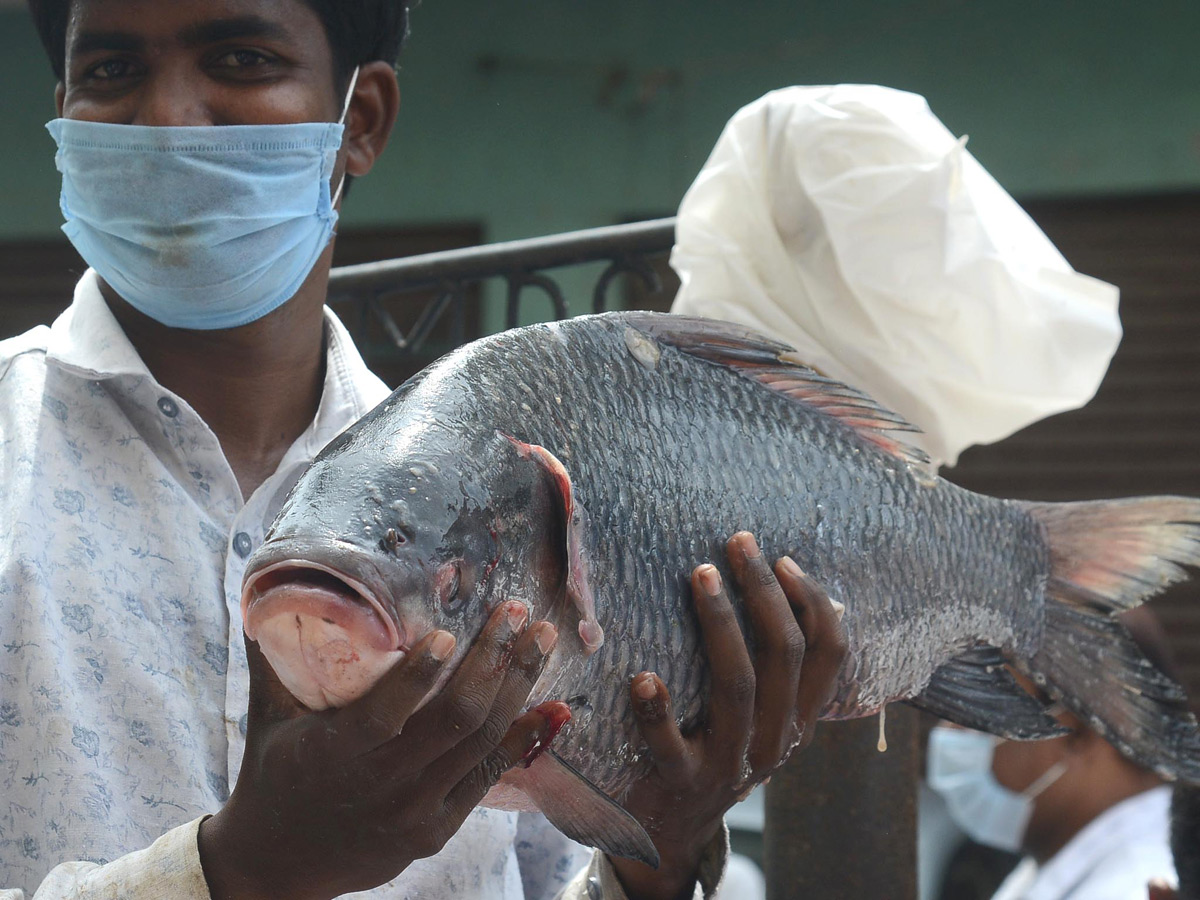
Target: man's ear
column 373, row 109
column 60, row 97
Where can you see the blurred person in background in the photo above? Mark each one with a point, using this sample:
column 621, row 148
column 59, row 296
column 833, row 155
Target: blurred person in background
column 1092, row 824
column 1185, row 845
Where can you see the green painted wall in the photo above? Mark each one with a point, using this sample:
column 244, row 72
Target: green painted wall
column 535, row 116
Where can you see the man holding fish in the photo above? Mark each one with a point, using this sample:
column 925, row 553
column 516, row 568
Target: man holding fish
column 150, row 436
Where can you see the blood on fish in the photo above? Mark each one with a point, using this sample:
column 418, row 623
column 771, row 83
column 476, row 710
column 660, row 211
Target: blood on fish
column 557, row 714
column 491, row 566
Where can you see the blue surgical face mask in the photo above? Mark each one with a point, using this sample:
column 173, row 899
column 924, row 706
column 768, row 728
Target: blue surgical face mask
column 960, row 770
column 200, row 227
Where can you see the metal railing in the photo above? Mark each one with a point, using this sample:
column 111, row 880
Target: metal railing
column 522, row 264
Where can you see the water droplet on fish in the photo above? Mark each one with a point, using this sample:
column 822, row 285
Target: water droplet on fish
column 882, row 745
column 412, row 490
column 745, row 773
column 526, row 407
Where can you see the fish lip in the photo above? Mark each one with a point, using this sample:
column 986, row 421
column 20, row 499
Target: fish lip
column 249, row 595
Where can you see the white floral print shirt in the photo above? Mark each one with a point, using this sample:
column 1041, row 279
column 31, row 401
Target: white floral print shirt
column 123, row 681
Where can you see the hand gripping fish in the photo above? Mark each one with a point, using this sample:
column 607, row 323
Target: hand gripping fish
column 585, row 467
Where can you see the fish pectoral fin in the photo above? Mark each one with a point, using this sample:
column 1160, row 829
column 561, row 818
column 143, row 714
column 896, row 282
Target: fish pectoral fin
column 579, row 585
column 976, row 690
column 582, row 811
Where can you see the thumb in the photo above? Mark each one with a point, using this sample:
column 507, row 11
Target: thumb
column 269, row 700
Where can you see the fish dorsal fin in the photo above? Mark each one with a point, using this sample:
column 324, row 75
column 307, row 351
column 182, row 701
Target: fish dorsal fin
column 579, row 584
column 775, row 366
column 976, row 690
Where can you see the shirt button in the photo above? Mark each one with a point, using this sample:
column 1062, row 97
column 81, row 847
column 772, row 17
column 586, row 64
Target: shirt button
column 168, row 407
column 242, row 545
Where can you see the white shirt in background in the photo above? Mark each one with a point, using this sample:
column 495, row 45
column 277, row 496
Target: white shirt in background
column 1112, row 858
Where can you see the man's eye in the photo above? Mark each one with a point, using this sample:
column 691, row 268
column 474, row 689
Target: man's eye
column 110, row 70
column 243, row 59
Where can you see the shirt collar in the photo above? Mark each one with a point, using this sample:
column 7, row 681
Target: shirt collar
column 87, row 341
column 351, row 389
column 1143, row 816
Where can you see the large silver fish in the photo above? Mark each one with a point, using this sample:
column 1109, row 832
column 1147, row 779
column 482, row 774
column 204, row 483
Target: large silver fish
column 585, row 467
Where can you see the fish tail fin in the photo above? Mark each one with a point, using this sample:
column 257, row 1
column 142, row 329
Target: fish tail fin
column 1107, row 557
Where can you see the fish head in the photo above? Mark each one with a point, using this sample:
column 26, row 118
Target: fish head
column 369, row 556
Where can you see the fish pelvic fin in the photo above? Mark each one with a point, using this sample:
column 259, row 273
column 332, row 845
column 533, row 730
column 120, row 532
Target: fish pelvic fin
column 1107, row 557
column 776, row 367
column 579, row 584
column 582, row 811
column 975, row 689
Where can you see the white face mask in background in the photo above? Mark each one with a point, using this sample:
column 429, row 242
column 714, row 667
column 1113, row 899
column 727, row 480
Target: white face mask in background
column 960, row 770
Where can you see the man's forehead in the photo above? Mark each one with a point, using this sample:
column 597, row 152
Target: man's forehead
column 190, row 21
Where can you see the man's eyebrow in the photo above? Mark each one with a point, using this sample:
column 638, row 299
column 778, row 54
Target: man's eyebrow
column 92, row 41
column 212, row 32
column 235, row 28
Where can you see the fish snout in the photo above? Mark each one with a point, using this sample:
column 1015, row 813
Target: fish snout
column 326, row 634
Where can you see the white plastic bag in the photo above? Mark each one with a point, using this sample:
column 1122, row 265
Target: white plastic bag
column 850, row 223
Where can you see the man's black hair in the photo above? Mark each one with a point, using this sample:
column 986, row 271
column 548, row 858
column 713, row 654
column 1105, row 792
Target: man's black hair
column 359, row 31
column 1185, row 839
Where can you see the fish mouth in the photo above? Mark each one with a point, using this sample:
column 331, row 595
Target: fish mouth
column 334, row 596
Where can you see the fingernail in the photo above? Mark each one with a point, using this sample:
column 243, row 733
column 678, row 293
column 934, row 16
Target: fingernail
column 516, row 615
column 645, row 688
column 710, row 579
column 442, row 645
column 750, row 546
column 789, row 565
column 838, row 608
column 545, row 636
